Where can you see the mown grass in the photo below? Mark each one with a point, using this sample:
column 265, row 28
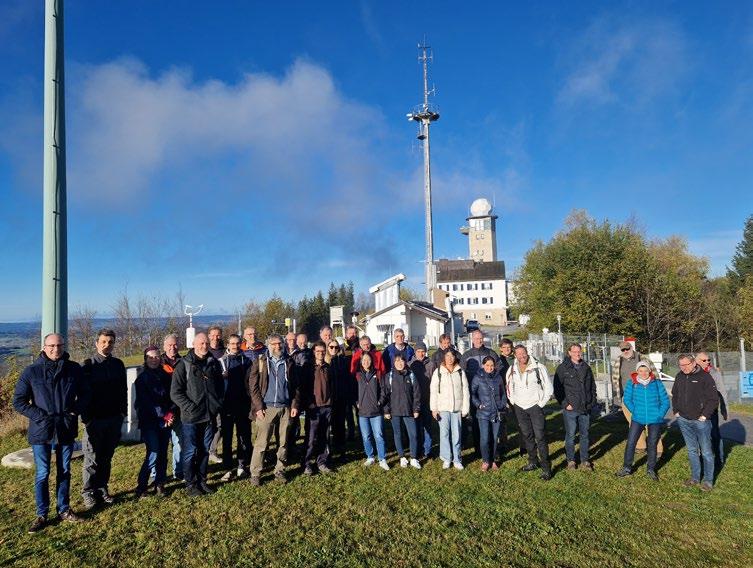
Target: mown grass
column 361, row 517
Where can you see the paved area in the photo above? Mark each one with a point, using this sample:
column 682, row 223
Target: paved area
column 739, row 428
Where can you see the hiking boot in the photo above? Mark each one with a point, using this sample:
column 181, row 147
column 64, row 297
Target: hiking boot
column 89, row 499
column 624, row 472
column 546, row 475
column 280, row 477
column 652, row 475
column 572, row 466
column 69, row 516
column 384, row 465
column 706, row 486
column 690, row 483
column 38, row 524
column 403, row 462
column 160, row 491
column 484, row 466
column 325, row 469
column 194, row 491
column 107, row 499
column 229, row 475
column 530, row 466
column 587, row 465
column 255, row 481
column 414, row 463
column 205, row 488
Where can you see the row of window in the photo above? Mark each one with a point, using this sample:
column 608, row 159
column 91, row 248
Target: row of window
column 474, row 301
column 468, row 287
column 487, row 316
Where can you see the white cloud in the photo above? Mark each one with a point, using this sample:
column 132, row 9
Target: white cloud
column 629, row 62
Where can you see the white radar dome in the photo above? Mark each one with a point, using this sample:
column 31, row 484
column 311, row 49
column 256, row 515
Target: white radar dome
column 481, row 208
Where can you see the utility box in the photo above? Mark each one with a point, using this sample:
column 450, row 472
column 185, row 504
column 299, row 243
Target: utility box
column 746, row 384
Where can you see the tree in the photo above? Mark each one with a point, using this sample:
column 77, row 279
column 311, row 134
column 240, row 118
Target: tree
column 745, row 307
column 742, row 261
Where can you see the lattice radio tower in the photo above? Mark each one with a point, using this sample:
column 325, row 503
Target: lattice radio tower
column 424, row 115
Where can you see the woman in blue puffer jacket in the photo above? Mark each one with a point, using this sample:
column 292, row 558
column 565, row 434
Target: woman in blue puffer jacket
column 646, row 398
column 490, row 399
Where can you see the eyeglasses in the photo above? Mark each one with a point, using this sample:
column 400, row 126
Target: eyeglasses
column 276, row 343
column 625, row 349
column 55, row 345
column 705, row 360
column 334, row 346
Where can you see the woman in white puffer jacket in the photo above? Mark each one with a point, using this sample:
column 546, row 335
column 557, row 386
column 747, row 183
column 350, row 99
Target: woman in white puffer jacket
column 450, row 401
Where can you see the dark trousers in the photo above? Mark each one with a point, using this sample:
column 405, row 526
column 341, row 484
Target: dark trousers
column 532, row 426
column 42, row 458
column 342, row 417
column 316, row 446
column 156, row 440
column 424, row 426
column 242, row 424
column 197, row 438
column 101, row 437
column 475, row 431
column 489, row 433
column 635, row 431
column 576, row 422
column 397, row 435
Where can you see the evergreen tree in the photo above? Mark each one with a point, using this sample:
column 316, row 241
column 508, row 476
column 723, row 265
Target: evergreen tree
column 742, row 261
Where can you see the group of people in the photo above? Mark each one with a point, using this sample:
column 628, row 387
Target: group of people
column 212, row 395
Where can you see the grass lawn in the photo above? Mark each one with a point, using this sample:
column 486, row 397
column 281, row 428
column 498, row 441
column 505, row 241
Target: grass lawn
column 742, row 408
column 405, row 517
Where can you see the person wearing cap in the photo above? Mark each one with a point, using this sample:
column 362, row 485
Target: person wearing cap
column 647, row 400
column 156, row 413
column 704, row 361
column 622, row 371
column 423, row 367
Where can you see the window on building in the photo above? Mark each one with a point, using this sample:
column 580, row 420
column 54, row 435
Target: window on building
column 483, row 300
column 490, row 285
column 487, row 316
column 454, row 287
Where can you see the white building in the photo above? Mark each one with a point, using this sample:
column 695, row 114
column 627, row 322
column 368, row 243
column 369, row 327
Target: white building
column 421, row 321
column 477, row 285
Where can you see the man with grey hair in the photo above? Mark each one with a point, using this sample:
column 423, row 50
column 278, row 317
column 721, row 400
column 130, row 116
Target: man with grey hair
column 169, row 359
column 398, row 347
column 51, row 393
column 704, row 361
column 198, row 390
column 694, row 401
column 273, row 382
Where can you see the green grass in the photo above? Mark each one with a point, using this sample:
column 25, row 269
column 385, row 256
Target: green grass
column 405, row 518
column 742, row 408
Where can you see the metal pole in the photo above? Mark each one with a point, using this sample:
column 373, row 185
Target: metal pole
column 55, row 254
column 743, row 363
column 427, row 205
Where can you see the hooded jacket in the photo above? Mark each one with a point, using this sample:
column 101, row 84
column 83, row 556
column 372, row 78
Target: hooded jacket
column 371, row 393
column 153, row 401
column 488, row 395
column 403, row 393
column 648, row 404
column 449, row 391
column 694, row 395
column 531, row 388
column 51, row 394
column 197, row 388
column 618, row 386
column 574, row 385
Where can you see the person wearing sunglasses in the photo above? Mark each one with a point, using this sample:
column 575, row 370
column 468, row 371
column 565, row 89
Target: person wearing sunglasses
column 704, row 361
column 622, row 373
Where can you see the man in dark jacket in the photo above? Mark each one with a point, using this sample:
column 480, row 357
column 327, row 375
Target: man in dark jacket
column 235, row 409
column 694, row 401
column 470, row 361
column 103, row 419
column 343, row 387
column 198, row 389
column 170, row 358
column 399, row 346
column 273, row 383
column 575, row 390
column 51, row 394
column 423, row 368
column 445, row 345
column 216, row 350
column 318, row 396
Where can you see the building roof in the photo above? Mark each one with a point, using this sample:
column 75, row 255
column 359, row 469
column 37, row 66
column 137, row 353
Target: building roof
column 391, row 281
column 424, row 307
column 469, row 270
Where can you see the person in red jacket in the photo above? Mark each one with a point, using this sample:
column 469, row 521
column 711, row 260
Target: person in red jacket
column 367, row 347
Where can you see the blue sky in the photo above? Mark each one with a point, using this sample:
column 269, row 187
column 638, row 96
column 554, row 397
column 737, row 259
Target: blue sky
column 238, row 149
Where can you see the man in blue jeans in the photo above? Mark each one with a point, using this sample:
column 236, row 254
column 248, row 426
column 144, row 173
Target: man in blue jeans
column 694, row 401
column 51, row 394
column 575, row 390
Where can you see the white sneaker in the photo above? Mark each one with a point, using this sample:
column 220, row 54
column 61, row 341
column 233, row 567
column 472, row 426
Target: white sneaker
column 414, row 463
column 403, row 462
column 368, row 462
column 445, row 464
column 383, row 464
column 458, row 465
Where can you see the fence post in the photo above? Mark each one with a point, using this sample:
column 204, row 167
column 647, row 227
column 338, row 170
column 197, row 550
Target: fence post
column 743, row 366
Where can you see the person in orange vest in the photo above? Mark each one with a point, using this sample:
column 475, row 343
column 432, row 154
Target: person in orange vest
column 169, row 359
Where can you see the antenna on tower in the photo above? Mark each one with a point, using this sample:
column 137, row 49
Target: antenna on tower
column 424, row 115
